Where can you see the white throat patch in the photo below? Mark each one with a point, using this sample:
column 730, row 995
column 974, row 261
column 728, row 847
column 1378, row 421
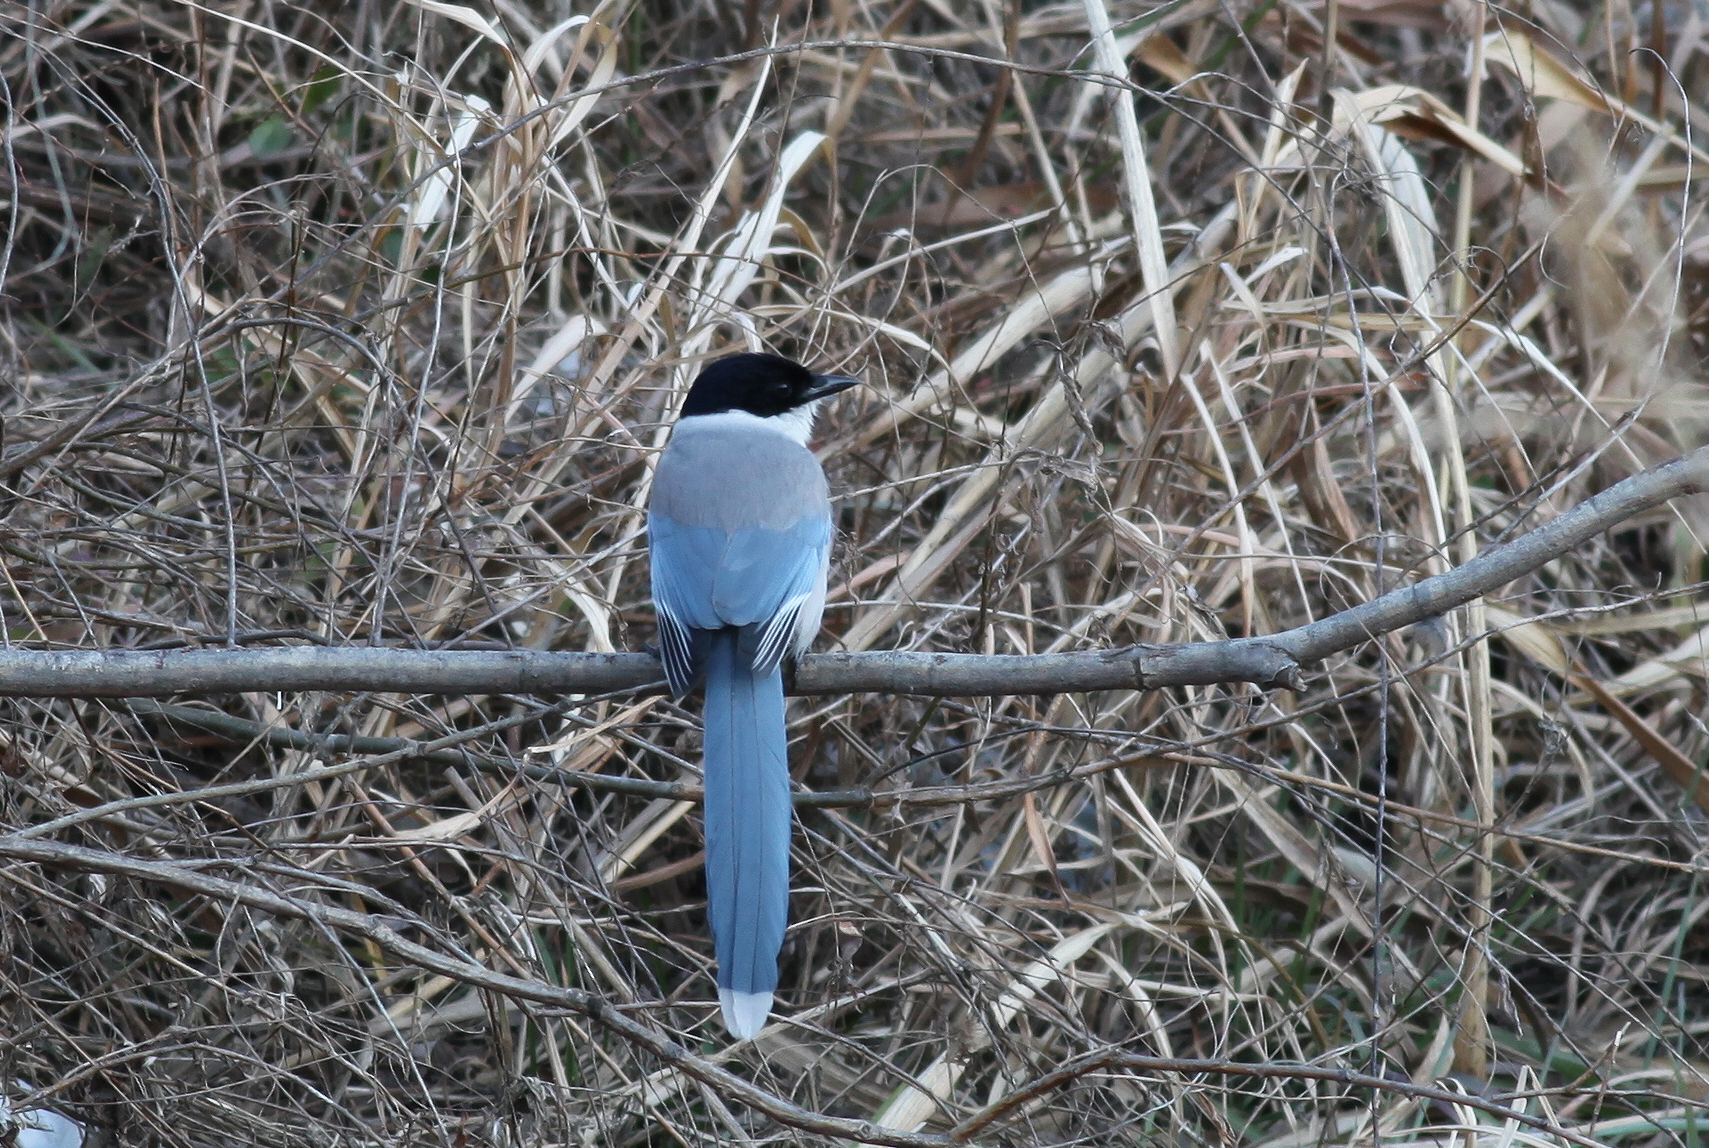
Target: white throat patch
column 797, row 423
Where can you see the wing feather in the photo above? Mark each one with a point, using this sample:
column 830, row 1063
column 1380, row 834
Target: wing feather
column 676, row 650
column 721, row 561
column 776, row 636
column 705, row 578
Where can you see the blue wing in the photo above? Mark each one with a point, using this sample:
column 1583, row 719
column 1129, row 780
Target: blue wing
column 707, row 578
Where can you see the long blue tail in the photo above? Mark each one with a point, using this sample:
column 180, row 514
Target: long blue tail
column 747, row 830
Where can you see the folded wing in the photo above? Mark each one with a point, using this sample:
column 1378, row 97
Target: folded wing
column 708, row 578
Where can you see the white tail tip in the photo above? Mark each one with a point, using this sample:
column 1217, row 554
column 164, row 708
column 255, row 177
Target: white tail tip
column 744, row 1013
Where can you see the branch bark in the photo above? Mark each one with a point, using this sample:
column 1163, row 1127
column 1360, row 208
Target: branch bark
column 1271, row 660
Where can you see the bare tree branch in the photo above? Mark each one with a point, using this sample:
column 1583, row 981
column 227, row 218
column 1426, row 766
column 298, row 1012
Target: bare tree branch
column 391, row 749
column 1270, row 660
column 191, row 877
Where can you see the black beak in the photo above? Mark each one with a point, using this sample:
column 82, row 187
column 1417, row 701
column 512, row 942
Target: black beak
column 825, row 386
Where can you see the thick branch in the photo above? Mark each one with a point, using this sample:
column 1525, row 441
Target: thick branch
column 1271, row 660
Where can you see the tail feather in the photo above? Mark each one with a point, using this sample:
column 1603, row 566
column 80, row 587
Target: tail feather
column 747, row 830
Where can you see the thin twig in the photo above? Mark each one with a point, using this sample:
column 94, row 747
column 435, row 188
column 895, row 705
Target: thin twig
column 191, row 878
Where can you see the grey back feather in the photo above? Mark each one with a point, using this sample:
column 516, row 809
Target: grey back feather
column 709, row 459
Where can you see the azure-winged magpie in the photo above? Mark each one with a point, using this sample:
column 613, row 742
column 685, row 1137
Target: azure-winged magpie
column 740, row 533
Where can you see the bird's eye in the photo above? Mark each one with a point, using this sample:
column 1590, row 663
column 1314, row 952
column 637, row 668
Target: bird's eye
column 780, row 388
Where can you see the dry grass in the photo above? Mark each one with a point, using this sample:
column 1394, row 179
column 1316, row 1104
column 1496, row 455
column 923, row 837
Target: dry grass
column 351, row 323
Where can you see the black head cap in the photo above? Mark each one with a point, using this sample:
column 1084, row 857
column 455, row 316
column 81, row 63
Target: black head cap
column 762, row 385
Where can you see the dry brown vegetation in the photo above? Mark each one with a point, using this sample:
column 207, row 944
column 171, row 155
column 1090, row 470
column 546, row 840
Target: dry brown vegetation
column 353, row 323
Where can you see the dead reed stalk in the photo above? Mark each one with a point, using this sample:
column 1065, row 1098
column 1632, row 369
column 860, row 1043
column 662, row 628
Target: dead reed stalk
column 345, row 324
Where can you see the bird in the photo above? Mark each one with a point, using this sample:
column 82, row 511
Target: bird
column 739, row 535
